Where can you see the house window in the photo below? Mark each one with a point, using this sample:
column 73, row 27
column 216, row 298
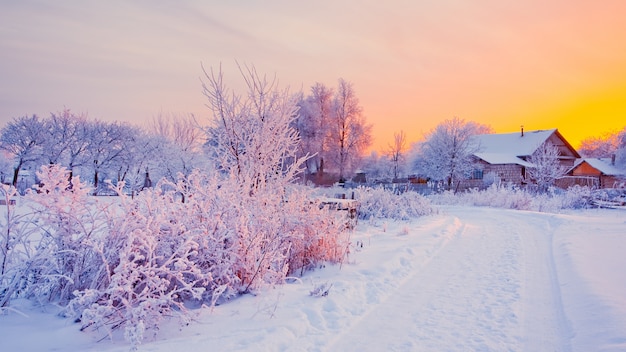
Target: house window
column 477, row 174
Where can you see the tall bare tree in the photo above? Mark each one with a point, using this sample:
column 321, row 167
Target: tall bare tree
column 396, row 151
column 349, row 135
column 312, row 123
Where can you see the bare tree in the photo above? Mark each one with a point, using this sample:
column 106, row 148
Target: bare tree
column 312, row 123
column 446, row 154
column 600, row 147
column 109, row 144
column 23, row 138
column 66, row 139
column 182, row 130
column 396, row 152
column 349, row 134
column 252, row 135
column 547, row 167
column 182, row 139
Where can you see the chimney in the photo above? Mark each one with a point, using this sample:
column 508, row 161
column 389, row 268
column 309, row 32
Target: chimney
column 613, row 159
column 522, row 130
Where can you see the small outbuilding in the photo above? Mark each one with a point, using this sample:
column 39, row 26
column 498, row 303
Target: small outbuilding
column 601, row 172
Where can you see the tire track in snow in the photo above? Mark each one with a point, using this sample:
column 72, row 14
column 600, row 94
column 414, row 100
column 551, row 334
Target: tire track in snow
column 546, row 326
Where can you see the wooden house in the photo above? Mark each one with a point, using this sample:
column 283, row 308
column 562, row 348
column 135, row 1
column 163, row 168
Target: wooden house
column 504, row 158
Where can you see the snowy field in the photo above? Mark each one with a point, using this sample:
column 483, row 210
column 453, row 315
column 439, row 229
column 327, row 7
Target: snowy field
column 465, row 279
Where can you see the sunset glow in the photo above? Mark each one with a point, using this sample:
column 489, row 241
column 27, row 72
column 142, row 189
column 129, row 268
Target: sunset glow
column 541, row 64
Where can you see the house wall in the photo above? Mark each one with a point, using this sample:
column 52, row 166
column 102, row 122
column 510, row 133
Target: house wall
column 607, row 181
column 583, row 181
column 507, row 173
column 510, row 174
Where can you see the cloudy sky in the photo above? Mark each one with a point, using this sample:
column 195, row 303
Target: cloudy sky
column 413, row 63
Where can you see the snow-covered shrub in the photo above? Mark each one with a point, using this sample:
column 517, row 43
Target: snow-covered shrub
column 509, row 197
column 64, row 257
column 152, row 266
column 315, row 234
column 201, row 239
column 385, row 204
column 576, row 197
column 499, row 197
column 15, row 232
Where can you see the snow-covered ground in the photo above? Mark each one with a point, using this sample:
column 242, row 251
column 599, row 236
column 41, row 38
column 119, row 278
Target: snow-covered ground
column 465, row 279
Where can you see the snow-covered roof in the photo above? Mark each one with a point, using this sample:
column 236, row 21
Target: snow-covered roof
column 604, row 165
column 514, row 144
column 501, row 158
column 512, row 148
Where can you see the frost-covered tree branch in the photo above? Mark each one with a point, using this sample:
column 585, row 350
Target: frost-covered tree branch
column 546, row 166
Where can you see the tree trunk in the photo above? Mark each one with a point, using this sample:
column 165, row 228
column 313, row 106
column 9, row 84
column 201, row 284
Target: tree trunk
column 95, row 182
column 16, row 172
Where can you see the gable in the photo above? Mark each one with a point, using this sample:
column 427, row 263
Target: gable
column 585, row 169
column 565, row 149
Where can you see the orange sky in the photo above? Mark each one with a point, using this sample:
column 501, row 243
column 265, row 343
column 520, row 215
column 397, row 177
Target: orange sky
column 541, row 64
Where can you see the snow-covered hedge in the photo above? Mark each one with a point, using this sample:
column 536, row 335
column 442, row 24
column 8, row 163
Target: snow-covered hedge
column 127, row 262
column 386, row 204
column 515, row 198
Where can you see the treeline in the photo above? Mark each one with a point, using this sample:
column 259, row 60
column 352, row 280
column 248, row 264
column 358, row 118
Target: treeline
column 98, row 150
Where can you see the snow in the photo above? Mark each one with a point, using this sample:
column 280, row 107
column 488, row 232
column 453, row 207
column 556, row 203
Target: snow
column 466, row 278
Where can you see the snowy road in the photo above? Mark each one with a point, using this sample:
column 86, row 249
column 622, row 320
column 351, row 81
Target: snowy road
column 466, row 279
column 493, row 286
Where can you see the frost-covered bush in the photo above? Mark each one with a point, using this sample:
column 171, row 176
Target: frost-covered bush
column 152, row 268
column 200, row 239
column 315, row 234
column 553, row 200
column 62, row 257
column 500, row 197
column 15, row 252
column 385, row 204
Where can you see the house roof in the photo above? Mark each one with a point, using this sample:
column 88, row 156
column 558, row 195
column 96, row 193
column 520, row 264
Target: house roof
column 603, row 165
column 512, row 143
